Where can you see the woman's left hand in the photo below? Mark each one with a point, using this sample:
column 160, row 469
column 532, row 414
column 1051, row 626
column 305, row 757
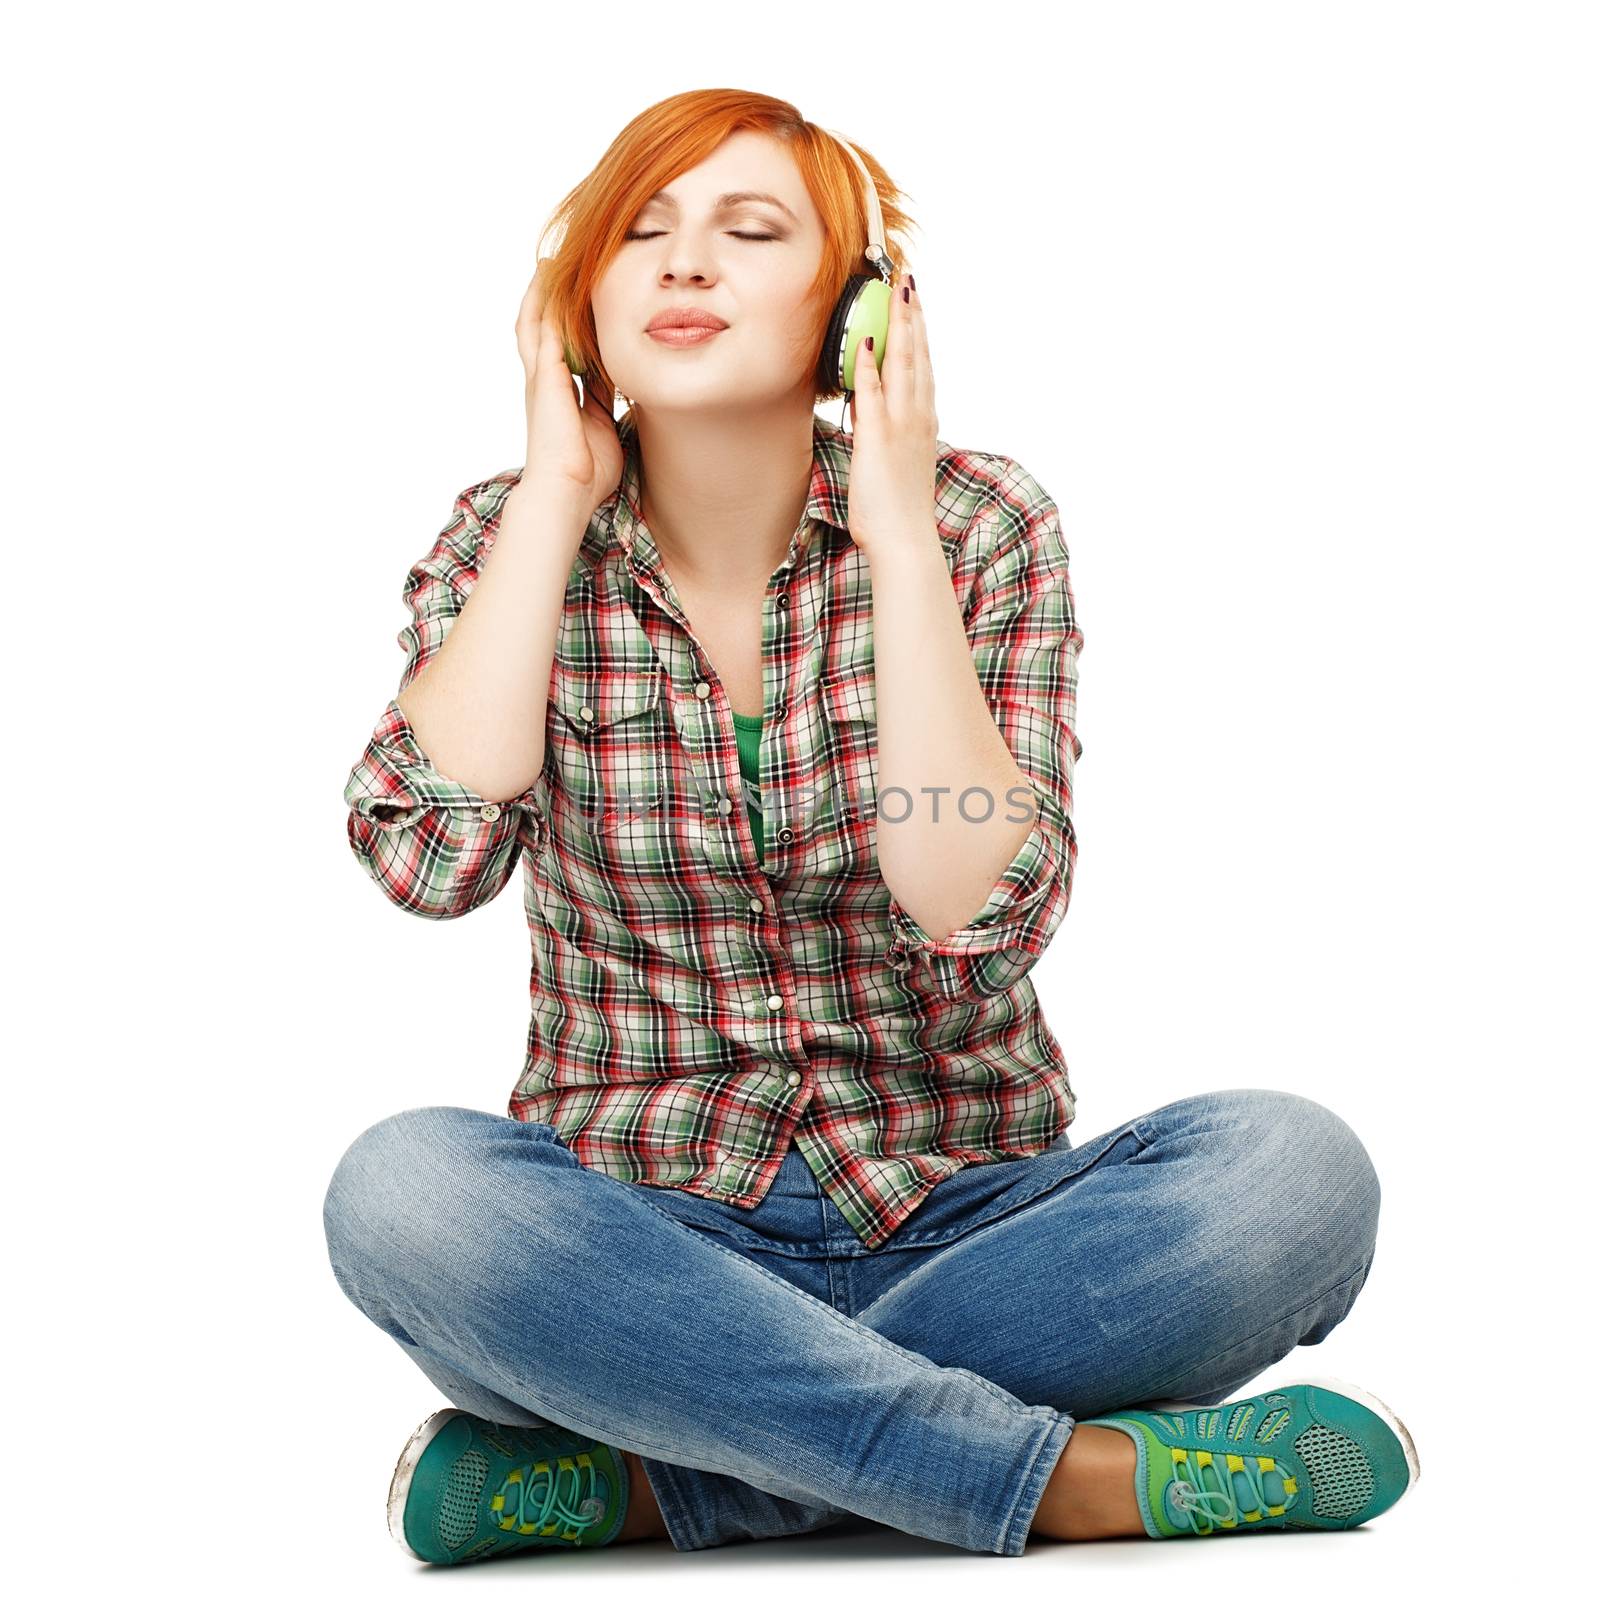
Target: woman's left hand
column 894, row 437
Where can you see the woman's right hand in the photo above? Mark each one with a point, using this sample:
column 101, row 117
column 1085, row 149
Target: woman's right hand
column 573, row 449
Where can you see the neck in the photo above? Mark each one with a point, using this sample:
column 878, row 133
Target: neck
column 723, row 494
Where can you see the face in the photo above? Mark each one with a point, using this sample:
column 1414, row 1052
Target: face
column 750, row 262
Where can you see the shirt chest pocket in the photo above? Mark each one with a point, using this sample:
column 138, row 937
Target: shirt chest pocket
column 608, row 739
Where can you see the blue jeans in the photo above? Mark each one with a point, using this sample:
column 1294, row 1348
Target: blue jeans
column 775, row 1376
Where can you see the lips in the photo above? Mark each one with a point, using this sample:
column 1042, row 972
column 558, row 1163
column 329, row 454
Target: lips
column 683, row 317
column 683, row 336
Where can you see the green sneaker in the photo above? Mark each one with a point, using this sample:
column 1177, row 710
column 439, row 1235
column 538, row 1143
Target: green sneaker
column 1309, row 1457
column 465, row 1489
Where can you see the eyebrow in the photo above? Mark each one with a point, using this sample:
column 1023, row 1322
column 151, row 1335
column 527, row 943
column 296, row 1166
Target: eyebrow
column 724, row 201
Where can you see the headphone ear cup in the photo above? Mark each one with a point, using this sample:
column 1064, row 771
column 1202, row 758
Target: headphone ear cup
column 831, row 363
column 862, row 309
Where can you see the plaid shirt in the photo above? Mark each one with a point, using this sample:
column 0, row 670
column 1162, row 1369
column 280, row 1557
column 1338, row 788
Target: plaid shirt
column 694, row 1008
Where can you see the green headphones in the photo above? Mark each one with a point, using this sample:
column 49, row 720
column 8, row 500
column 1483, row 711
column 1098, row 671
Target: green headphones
column 863, row 305
column 862, row 309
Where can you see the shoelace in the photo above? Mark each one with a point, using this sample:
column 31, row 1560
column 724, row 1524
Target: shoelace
column 541, row 1506
column 1209, row 1509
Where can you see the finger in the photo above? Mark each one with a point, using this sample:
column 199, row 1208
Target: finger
column 533, row 298
column 903, row 348
column 869, row 385
column 529, row 315
column 548, row 354
column 924, row 357
column 865, row 398
column 527, row 330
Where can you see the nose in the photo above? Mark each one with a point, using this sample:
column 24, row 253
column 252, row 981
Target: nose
column 688, row 259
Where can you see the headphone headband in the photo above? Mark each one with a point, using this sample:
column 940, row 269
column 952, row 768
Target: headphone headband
column 875, row 251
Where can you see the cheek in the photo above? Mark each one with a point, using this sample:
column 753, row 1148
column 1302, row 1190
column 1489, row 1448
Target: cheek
column 798, row 336
column 607, row 320
column 611, row 316
column 622, row 347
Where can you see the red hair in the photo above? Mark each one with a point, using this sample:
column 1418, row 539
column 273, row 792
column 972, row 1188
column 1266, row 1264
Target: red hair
column 669, row 138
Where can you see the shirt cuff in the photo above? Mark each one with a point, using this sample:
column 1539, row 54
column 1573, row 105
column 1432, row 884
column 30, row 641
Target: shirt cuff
column 1009, row 917
column 394, row 784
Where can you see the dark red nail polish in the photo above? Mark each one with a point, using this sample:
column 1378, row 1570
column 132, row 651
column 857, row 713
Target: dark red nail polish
column 869, row 341
column 913, row 279
column 905, row 293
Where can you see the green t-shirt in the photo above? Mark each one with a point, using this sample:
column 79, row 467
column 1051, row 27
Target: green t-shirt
column 747, row 731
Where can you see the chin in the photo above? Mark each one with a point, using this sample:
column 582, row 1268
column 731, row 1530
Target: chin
column 667, row 398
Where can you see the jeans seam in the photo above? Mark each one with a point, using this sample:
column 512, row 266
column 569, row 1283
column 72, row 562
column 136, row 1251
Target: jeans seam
column 1176, row 1386
column 676, row 1510
column 1010, row 1532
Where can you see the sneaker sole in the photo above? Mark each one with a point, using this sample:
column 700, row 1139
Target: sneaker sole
column 406, row 1466
column 1373, row 1403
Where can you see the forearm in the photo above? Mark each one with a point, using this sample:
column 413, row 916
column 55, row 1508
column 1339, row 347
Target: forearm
column 937, row 740
column 478, row 709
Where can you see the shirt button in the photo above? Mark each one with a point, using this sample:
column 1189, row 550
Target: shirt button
column 702, row 688
column 794, row 1078
column 757, row 907
column 725, row 805
column 785, row 835
column 489, row 811
column 774, row 1002
column 586, row 712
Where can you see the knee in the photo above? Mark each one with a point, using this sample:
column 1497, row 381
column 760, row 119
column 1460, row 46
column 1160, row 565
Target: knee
column 1312, row 1171
column 382, row 1175
column 1320, row 1156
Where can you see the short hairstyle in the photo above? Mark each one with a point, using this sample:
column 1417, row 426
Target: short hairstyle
column 669, row 138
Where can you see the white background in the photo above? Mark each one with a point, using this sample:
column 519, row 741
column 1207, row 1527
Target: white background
column 1292, row 310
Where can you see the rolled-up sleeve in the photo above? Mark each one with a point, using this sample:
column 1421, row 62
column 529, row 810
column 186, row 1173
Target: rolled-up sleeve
column 1023, row 629
column 435, row 847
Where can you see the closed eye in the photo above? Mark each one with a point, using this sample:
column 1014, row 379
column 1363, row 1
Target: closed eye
column 757, row 237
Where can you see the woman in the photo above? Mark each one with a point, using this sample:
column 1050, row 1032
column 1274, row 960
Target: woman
column 784, row 1227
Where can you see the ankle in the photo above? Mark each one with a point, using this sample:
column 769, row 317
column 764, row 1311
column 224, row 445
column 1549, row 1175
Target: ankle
column 1091, row 1493
column 643, row 1517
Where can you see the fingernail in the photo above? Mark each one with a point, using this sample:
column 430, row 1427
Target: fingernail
column 869, row 341
column 913, row 279
column 905, row 293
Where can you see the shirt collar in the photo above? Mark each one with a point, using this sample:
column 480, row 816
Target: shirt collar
column 826, row 512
